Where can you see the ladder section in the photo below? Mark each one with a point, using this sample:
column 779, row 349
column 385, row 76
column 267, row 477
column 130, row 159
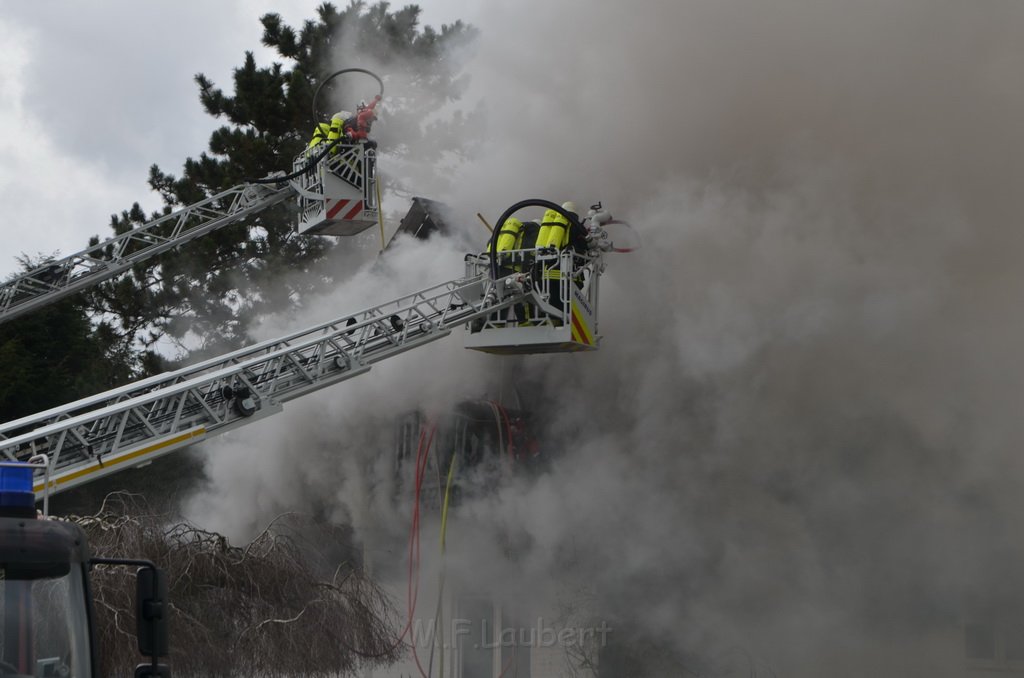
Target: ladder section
column 58, row 279
column 133, row 425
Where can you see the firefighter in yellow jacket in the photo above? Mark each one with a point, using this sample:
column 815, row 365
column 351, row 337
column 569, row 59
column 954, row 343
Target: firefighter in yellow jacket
column 557, row 232
column 508, row 236
column 327, row 132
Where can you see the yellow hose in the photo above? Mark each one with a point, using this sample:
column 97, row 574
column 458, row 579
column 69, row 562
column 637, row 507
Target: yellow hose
column 444, row 531
column 380, row 215
column 447, row 497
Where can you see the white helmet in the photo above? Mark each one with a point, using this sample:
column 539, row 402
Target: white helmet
column 342, row 115
column 569, row 206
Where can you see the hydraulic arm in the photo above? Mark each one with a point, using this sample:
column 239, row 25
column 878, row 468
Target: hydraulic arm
column 523, row 301
column 132, row 425
column 335, row 186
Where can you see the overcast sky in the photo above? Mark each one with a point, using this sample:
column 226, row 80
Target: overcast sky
column 94, row 93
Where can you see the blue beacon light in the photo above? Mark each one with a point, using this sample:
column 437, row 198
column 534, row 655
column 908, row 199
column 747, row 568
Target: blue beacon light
column 16, row 486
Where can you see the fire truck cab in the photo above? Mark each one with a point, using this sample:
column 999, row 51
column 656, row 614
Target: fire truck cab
column 46, row 605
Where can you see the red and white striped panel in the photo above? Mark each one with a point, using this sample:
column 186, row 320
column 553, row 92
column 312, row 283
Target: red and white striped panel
column 355, row 207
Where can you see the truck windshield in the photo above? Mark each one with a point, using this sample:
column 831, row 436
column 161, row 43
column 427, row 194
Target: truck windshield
column 44, row 623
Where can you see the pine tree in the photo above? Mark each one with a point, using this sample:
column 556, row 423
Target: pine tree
column 57, row 354
column 205, row 294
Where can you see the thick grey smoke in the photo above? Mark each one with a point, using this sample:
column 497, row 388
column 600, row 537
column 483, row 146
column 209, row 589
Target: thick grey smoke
column 800, row 437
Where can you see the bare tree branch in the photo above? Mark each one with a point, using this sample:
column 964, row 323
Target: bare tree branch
column 273, row 607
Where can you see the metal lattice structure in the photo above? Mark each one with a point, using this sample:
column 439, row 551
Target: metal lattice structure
column 58, row 279
column 339, row 195
column 524, row 301
column 561, row 315
column 132, row 425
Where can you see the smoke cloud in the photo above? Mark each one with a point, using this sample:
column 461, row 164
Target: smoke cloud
column 800, row 437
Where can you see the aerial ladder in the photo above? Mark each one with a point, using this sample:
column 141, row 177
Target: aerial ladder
column 46, row 606
column 134, row 424
column 336, row 196
column 130, row 426
column 515, row 301
column 334, row 185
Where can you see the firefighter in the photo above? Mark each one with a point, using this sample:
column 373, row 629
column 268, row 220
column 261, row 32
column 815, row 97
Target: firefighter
column 327, row 132
column 338, row 123
column 358, row 127
column 552, row 227
column 320, row 133
column 509, row 238
column 509, row 235
column 528, row 234
column 557, row 232
column 555, row 227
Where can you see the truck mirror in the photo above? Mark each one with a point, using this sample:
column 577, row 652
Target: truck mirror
column 151, row 611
